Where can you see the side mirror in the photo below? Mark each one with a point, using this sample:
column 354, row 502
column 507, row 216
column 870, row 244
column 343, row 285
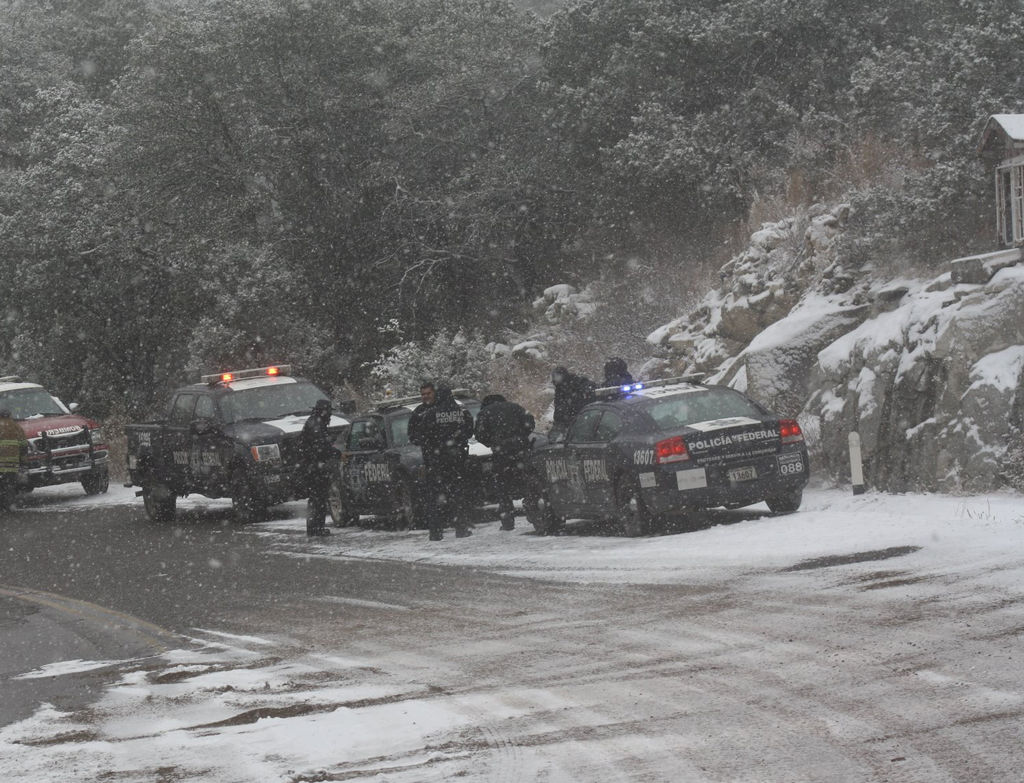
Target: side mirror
column 204, row 426
column 73, row 407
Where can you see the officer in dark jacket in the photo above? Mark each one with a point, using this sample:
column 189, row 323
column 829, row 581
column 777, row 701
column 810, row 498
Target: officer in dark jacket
column 319, row 459
column 442, row 429
column 505, row 428
column 572, row 392
column 616, row 373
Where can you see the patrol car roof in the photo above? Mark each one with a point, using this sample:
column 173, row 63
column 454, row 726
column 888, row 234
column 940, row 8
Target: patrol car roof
column 245, row 383
column 15, row 385
column 642, row 391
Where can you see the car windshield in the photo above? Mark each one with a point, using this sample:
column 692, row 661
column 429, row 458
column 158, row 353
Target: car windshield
column 697, row 406
column 269, row 402
column 30, row 403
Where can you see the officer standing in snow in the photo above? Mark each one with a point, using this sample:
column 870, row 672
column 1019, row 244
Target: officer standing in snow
column 319, row 463
column 505, row 428
column 13, row 447
column 442, row 429
column 572, row 392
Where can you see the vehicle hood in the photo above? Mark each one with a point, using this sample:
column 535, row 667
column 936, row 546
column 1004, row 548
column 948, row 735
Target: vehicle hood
column 35, row 427
column 275, row 429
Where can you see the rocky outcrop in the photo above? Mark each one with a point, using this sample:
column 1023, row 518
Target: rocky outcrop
column 930, row 373
column 930, row 387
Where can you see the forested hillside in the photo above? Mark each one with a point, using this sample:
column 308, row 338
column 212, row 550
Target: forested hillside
column 191, row 184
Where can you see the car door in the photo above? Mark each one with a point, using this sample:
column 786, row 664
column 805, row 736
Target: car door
column 178, row 440
column 593, row 451
column 210, row 448
column 365, row 461
column 571, row 488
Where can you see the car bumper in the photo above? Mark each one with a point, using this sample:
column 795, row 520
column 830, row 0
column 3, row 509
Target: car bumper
column 675, row 489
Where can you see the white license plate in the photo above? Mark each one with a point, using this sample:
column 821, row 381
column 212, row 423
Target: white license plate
column 748, row 473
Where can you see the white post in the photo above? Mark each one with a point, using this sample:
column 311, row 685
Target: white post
column 856, row 468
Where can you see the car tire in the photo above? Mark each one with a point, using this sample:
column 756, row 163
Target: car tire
column 245, row 499
column 159, row 501
column 96, row 482
column 339, row 505
column 786, row 503
column 631, row 512
column 537, row 506
column 407, row 511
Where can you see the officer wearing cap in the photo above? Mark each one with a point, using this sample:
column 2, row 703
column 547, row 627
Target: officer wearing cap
column 319, row 459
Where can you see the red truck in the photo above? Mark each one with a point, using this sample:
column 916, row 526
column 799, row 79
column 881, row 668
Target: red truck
column 62, row 446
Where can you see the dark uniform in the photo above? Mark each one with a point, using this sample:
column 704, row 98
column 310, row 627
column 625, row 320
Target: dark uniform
column 13, row 447
column 572, row 392
column 442, row 430
column 505, row 428
column 616, row 373
column 319, row 463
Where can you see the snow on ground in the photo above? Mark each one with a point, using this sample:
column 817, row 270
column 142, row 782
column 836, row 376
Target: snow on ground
column 186, row 719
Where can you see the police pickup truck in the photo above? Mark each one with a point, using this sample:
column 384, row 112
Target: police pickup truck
column 644, row 452
column 235, row 434
column 382, row 471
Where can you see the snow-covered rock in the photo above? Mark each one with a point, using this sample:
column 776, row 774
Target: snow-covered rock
column 930, row 373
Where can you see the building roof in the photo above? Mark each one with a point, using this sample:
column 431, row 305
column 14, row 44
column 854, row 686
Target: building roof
column 1003, row 133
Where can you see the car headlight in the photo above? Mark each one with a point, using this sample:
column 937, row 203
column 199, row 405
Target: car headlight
column 96, row 436
column 33, row 446
column 266, row 452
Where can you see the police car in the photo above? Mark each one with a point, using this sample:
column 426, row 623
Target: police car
column 648, row 451
column 381, row 471
column 233, row 434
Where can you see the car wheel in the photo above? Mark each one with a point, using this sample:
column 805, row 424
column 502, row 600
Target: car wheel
column 159, row 501
column 339, row 504
column 96, row 482
column 786, row 503
column 632, row 514
column 537, row 506
column 406, row 513
column 245, row 500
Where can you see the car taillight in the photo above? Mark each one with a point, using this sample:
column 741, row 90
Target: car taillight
column 670, row 450
column 790, row 432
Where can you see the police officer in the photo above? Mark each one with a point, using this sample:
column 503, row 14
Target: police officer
column 319, row 458
column 616, row 373
column 505, row 428
column 442, row 429
column 572, row 392
column 13, row 447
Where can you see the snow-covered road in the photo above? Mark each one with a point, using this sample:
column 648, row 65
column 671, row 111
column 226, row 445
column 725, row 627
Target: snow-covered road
column 868, row 638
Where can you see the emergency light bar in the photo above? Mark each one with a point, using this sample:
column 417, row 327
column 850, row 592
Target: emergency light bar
column 607, row 392
column 254, row 372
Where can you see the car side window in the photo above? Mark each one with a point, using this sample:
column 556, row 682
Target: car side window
column 582, row 428
column 608, row 427
column 181, row 411
column 204, row 408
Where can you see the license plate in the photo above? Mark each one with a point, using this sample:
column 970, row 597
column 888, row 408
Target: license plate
column 748, row 473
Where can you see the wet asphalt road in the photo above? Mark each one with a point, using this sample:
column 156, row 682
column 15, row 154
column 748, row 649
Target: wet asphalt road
column 102, row 583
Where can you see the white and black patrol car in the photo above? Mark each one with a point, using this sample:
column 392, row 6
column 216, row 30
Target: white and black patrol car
column 648, row 451
column 234, row 434
column 382, row 471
